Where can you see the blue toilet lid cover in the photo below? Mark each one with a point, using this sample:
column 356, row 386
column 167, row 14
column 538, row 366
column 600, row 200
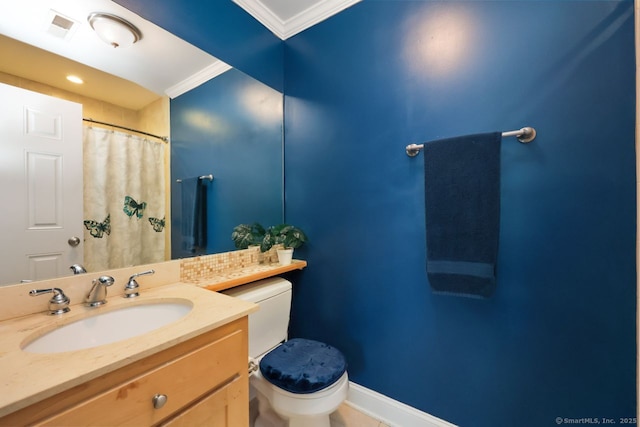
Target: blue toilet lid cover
column 303, row 366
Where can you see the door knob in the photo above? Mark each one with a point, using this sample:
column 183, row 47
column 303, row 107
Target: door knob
column 73, row 241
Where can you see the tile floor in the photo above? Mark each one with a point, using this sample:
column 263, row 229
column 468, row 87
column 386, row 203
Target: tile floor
column 348, row 416
column 345, row 416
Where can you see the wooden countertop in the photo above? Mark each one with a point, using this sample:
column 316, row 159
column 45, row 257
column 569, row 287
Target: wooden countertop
column 26, row 378
column 242, row 276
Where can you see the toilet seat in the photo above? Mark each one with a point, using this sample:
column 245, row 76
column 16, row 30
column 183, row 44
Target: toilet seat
column 303, row 366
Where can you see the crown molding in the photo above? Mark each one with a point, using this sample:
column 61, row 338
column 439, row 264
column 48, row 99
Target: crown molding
column 264, row 15
column 298, row 23
column 197, row 79
column 315, row 14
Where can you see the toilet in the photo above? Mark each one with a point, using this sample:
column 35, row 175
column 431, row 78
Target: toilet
column 297, row 382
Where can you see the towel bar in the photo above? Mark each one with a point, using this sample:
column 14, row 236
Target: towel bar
column 525, row 136
column 201, row 177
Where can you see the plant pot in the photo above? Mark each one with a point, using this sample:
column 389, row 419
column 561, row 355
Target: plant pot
column 284, row 256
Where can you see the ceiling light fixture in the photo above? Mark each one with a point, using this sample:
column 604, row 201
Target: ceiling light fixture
column 114, row 30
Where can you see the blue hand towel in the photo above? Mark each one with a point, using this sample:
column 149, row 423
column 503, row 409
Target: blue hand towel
column 194, row 215
column 462, row 210
column 200, row 217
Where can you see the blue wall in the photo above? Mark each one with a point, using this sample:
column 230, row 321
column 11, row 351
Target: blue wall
column 558, row 337
column 231, row 127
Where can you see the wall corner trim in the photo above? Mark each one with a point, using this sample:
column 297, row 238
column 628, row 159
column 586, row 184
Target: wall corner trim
column 202, row 76
column 388, row 410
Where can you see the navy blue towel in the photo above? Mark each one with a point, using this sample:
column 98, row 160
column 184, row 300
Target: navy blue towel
column 194, row 215
column 462, row 210
column 200, row 216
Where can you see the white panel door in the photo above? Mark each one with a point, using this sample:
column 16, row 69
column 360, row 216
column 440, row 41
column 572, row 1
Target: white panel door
column 40, row 185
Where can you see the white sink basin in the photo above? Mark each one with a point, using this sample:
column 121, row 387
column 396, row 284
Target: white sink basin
column 109, row 327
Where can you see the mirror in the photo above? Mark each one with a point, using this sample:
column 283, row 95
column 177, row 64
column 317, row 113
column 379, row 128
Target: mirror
column 230, row 127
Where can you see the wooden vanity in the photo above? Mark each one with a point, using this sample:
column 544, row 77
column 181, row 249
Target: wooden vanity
column 204, row 381
column 192, row 372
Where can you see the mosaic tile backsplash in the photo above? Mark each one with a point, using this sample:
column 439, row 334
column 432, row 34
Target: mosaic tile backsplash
column 192, row 269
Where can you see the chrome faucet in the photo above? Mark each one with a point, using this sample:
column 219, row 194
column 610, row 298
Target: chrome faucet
column 77, row 269
column 58, row 304
column 131, row 288
column 98, row 294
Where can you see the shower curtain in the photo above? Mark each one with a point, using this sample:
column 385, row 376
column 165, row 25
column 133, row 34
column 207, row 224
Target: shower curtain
column 124, row 200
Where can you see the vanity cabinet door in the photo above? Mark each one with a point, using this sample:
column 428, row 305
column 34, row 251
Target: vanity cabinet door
column 225, row 407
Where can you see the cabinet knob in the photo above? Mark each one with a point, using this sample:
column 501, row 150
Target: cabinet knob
column 159, row 400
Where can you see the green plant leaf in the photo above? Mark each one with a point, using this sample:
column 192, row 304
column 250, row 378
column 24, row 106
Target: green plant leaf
column 245, row 235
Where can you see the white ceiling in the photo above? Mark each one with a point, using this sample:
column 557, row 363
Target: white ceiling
column 148, row 63
column 286, row 18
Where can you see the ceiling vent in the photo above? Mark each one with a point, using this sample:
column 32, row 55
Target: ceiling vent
column 60, row 26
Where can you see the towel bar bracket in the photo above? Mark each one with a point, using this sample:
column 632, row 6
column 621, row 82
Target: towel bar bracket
column 528, row 135
column 413, row 150
column 525, row 136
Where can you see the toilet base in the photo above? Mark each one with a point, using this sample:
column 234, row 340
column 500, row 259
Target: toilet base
column 302, row 411
column 267, row 417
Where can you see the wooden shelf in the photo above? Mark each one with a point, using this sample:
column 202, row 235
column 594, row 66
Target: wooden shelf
column 242, row 276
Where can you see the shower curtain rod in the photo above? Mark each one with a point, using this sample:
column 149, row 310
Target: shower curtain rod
column 163, row 138
column 525, row 135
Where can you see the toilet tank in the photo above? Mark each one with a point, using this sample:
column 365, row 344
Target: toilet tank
column 268, row 326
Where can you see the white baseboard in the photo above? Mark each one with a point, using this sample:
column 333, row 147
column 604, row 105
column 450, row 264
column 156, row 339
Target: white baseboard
column 390, row 411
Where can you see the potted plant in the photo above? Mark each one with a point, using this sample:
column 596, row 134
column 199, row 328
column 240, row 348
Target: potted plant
column 245, row 235
column 289, row 236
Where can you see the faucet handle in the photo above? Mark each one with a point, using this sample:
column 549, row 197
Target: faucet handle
column 59, row 302
column 131, row 288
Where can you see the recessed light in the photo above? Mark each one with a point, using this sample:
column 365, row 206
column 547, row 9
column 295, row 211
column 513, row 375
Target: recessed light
column 75, row 79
